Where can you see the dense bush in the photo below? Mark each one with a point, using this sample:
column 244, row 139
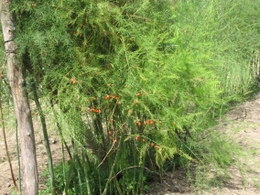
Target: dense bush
column 135, row 83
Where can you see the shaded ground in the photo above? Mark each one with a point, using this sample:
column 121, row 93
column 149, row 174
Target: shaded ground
column 243, row 123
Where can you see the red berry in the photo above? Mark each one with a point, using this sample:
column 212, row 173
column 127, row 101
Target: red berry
column 138, row 123
column 107, row 97
column 150, row 122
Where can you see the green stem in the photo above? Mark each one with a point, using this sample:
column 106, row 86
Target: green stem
column 46, row 139
column 60, row 131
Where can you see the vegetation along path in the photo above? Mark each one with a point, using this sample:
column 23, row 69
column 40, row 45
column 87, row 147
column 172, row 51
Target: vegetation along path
column 243, row 124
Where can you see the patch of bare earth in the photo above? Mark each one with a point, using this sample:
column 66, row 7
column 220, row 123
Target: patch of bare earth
column 242, row 124
column 6, row 183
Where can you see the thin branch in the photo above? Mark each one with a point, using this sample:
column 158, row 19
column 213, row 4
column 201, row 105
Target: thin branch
column 109, row 151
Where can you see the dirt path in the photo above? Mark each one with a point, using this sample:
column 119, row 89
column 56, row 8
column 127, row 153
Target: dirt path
column 243, row 123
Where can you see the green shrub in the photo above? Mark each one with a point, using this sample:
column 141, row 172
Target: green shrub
column 134, row 81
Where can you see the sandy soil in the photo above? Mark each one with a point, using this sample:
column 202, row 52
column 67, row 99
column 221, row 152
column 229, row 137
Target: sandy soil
column 243, row 123
column 6, row 183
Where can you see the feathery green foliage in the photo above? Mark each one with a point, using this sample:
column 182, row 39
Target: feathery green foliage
column 135, row 82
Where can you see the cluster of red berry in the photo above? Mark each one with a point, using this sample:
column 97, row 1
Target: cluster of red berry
column 111, row 96
column 143, row 140
column 94, row 110
column 73, row 81
column 149, row 122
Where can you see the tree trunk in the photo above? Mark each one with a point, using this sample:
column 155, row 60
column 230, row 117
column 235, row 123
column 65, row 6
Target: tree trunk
column 21, row 105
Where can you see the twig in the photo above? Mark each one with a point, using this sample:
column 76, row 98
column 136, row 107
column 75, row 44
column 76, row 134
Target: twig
column 109, row 151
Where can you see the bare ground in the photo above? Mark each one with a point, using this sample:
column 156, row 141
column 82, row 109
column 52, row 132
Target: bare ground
column 6, row 183
column 243, row 123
